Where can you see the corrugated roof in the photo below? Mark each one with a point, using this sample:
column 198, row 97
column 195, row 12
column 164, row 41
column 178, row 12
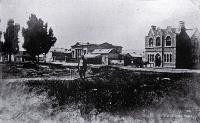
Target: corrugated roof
column 102, row 51
column 106, row 44
column 78, row 44
column 92, row 55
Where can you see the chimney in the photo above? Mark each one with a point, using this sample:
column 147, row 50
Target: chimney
column 182, row 25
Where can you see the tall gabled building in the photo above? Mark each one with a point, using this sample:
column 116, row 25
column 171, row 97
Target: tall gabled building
column 170, row 47
column 195, row 42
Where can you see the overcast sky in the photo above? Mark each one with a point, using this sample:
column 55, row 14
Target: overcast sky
column 120, row 22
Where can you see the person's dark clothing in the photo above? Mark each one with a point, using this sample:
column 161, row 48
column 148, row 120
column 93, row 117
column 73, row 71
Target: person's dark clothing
column 82, row 67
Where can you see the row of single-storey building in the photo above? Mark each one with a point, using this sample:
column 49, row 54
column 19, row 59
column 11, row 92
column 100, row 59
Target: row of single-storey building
column 104, row 53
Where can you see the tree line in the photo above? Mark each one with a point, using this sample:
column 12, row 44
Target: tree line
column 38, row 38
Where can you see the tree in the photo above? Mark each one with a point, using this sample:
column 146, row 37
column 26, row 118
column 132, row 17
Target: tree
column 37, row 40
column 10, row 45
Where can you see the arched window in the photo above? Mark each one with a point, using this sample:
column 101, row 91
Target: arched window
column 196, row 43
column 151, row 42
column 158, row 41
column 168, row 41
column 199, row 59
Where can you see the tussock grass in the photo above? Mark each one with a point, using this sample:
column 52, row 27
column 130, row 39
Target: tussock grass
column 114, row 90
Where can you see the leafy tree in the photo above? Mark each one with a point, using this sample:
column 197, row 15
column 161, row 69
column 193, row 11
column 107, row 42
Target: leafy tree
column 37, row 40
column 10, row 45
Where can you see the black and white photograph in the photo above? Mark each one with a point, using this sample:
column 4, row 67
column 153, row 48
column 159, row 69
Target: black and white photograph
column 99, row 61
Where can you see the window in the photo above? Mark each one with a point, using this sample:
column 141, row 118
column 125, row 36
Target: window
column 168, row 41
column 193, row 59
column 168, row 57
column 197, row 60
column 150, row 58
column 196, row 44
column 151, row 42
column 165, row 58
column 158, row 41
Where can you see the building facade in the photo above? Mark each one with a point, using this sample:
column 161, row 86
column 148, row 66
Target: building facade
column 160, row 47
column 195, row 39
column 170, row 47
column 86, row 48
column 107, row 55
column 80, row 49
column 59, row 54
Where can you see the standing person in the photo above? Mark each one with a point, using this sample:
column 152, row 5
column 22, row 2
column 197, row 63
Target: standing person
column 82, row 66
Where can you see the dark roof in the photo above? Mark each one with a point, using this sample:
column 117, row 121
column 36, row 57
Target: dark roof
column 92, row 55
column 78, row 44
column 106, row 44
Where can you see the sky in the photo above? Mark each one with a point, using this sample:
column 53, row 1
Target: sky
column 120, row 22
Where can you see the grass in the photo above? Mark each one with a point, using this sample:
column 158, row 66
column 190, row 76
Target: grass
column 45, row 70
column 114, row 90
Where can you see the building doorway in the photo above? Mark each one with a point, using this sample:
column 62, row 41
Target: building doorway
column 157, row 60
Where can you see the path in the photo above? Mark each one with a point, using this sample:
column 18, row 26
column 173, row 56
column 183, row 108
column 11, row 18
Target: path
column 38, row 78
column 160, row 70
